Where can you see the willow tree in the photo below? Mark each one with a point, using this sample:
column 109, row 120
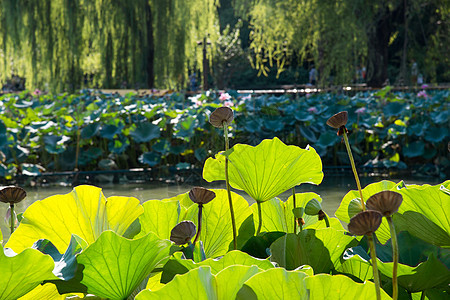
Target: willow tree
column 97, row 43
column 337, row 35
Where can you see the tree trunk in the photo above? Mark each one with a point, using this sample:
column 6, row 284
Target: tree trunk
column 150, row 45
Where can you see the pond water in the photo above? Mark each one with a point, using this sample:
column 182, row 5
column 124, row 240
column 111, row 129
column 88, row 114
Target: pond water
column 332, row 190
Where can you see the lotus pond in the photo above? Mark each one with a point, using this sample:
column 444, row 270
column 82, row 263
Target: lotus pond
column 213, row 244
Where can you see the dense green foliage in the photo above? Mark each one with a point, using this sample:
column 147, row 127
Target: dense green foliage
column 88, row 131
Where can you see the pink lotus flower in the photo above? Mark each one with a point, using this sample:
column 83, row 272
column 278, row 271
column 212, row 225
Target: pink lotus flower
column 228, row 103
column 422, row 94
column 224, row 97
column 37, row 92
column 361, row 110
column 312, row 110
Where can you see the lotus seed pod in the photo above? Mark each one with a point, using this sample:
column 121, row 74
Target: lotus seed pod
column 338, row 120
column 220, row 115
column 365, row 222
column 201, row 195
column 12, row 194
column 386, row 202
column 354, row 207
column 298, row 212
column 183, row 232
column 313, row 207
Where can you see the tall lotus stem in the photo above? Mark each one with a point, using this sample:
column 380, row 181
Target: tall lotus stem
column 387, row 203
column 295, row 220
column 376, row 276
column 259, row 217
column 230, row 202
column 339, row 121
column 200, row 208
column 352, row 162
column 13, row 219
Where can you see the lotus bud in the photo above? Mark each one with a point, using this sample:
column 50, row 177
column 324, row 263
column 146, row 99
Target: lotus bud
column 183, row 232
column 365, row 222
column 12, row 194
column 313, row 207
column 220, row 115
column 201, row 195
column 298, row 212
column 354, row 207
column 386, row 202
column 339, row 121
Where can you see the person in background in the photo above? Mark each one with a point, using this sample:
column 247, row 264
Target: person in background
column 414, row 72
column 313, row 75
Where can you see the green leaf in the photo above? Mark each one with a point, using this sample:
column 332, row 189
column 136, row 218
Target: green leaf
column 342, row 211
column 200, row 283
column 85, row 212
column 275, row 283
column 356, row 263
column 321, row 249
column 266, row 170
column 325, row 286
column 21, row 273
column 216, row 232
column 426, row 275
column 114, row 266
column 425, row 213
column 145, row 132
column 160, row 217
column 178, row 265
column 414, row 149
column 259, row 246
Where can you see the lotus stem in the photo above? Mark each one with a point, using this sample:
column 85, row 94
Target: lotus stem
column 12, row 218
column 422, row 296
column 230, row 202
column 200, row 208
column 373, row 255
column 259, row 216
column 295, row 220
column 395, row 258
column 327, row 222
column 355, row 173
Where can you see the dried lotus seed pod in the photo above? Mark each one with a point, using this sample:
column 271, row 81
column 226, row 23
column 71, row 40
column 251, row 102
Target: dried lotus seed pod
column 201, row 195
column 386, row 202
column 12, row 194
column 365, row 222
column 183, row 232
column 220, row 115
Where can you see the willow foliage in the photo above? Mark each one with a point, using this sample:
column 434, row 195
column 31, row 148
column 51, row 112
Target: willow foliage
column 59, row 44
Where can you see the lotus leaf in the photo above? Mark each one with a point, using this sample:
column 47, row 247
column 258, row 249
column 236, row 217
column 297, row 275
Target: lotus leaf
column 21, row 273
column 178, row 265
column 160, row 217
column 90, row 130
column 275, row 283
column 426, row 275
column 266, row 170
column 325, row 286
column 216, row 232
column 85, row 212
column 150, row 158
column 321, row 249
column 327, row 139
column 356, row 263
column 109, row 131
column 145, row 132
column 436, row 134
column 424, row 213
column 114, row 266
column 414, row 149
column 200, row 283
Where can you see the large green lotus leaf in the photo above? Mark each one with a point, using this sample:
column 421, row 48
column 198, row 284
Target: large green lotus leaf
column 216, row 232
column 267, row 170
column 178, row 265
column 275, row 283
column 342, row 211
column 425, row 213
column 200, row 283
column 278, row 216
column 336, row 287
column 114, row 266
column 414, row 149
column 145, row 132
column 47, row 291
column 321, row 249
column 426, row 275
column 184, row 200
column 160, row 217
column 84, row 212
column 356, row 265
column 21, row 273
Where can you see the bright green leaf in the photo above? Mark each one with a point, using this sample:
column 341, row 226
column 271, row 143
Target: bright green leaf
column 267, row 170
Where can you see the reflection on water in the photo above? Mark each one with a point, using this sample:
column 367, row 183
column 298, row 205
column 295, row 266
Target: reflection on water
column 332, row 190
